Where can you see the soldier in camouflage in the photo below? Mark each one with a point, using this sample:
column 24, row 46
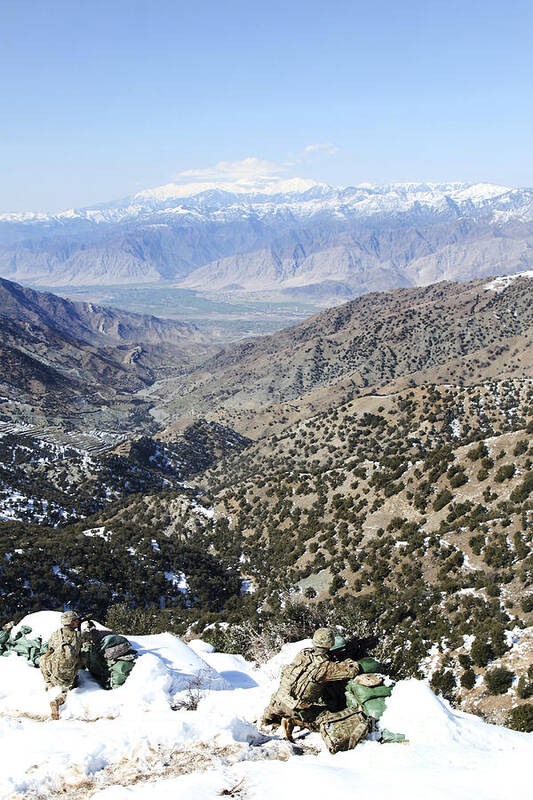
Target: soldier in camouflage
column 61, row 662
column 300, row 697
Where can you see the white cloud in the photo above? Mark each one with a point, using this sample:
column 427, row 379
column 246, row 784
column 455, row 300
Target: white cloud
column 247, row 169
column 328, row 149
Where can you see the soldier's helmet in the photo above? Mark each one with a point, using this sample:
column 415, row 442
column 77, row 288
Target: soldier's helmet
column 324, row 637
column 69, row 618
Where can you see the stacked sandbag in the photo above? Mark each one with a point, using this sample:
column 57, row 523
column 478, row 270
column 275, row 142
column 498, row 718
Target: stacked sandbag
column 110, row 658
column 371, row 696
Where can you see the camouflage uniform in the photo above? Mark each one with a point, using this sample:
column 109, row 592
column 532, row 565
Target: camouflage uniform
column 300, row 697
column 61, row 662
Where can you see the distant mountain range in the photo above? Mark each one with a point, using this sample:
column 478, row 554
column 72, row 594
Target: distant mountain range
column 297, row 238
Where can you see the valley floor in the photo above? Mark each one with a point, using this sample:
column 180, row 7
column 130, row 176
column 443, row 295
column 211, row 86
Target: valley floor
column 130, row 743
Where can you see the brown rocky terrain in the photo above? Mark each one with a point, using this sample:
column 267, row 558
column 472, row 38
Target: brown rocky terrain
column 461, row 333
column 75, row 361
column 97, row 325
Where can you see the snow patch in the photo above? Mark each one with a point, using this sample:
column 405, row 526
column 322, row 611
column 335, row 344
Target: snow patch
column 501, row 283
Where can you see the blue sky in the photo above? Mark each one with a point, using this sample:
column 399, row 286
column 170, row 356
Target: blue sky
column 100, row 99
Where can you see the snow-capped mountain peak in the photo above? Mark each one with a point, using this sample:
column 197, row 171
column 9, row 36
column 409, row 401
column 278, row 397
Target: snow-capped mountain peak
column 293, row 191
column 266, row 186
column 261, row 232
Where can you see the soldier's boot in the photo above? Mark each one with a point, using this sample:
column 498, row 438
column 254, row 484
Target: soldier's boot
column 288, row 726
column 54, row 705
column 270, row 717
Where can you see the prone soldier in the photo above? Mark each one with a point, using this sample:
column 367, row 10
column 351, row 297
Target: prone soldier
column 299, row 699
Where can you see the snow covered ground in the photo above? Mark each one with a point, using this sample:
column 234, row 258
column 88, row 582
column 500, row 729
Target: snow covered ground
column 128, row 744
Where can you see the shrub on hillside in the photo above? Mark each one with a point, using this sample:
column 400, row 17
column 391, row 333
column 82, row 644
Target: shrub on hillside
column 443, row 682
column 478, row 452
column 523, row 490
column 465, row 661
column 525, row 689
column 459, row 479
column 142, row 621
column 481, row 653
column 521, row 447
column 527, row 603
column 521, row 718
column 442, row 499
column 499, row 680
column 477, row 543
column 504, row 472
column 468, row 678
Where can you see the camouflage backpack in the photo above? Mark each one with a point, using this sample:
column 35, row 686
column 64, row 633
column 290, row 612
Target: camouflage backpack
column 344, row 729
column 297, row 688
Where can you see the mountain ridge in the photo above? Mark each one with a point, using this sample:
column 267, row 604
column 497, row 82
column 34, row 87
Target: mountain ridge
column 236, row 238
column 65, row 360
column 90, row 322
column 446, row 332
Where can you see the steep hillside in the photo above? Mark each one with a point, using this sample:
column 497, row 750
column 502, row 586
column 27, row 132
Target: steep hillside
column 445, row 332
column 97, row 325
column 51, row 477
column 388, row 490
column 406, row 518
column 411, row 515
column 77, row 362
column 418, row 508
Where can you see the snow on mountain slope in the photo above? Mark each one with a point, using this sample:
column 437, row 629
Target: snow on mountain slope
column 499, row 284
column 136, row 744
column 271, row 234
column 300, row 196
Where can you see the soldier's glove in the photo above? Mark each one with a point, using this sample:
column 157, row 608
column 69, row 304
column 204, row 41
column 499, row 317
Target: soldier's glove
column 8, row 626
column 369, row 679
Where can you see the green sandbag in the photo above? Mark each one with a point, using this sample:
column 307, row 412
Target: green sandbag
column 119, row 671
column 390, row 737
column 110, row 673
column 31, row 649
column 369, row 664
column 374, row 707
column 4, row 638
column 363, row 693
column 22, row 631
column 111, row 640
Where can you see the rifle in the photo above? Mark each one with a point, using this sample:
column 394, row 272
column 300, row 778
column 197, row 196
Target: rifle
column 355, row 648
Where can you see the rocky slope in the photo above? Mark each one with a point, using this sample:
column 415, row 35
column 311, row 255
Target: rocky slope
column 50, row 477
column 297, row 238
column 446, row 332
column 93, row 324
column 82, row 363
